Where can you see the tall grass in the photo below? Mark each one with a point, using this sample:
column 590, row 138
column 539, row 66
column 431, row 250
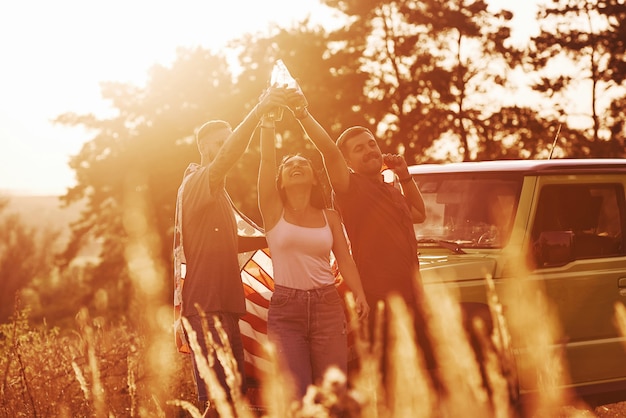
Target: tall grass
column 101, row 369
column 96, row 369
column 130, row 368
column 465, row 388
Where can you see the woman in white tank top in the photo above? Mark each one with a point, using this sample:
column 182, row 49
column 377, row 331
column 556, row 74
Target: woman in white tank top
column 306, row 318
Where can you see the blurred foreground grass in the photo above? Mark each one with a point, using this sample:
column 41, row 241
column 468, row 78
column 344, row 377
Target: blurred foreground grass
column 103, row 369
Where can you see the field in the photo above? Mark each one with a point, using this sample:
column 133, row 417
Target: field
column 129, row 367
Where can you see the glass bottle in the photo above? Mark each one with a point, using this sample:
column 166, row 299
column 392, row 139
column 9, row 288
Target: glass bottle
column 281, row 78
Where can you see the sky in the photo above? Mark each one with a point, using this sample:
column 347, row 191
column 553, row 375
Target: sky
column 55, row 53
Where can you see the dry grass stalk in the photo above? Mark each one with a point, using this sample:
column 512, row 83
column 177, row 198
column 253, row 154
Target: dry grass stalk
column 462, row 390
column 501, row 371
column 159, row 411
column 80, row 377
column 499, row 384
column 535, row 328
column 233, row 378
column 187, row 406
column 214, row 389
column 237, row 406
column 411, row 392
column 149, row 279
column 277, row 389
column 131, row 361
column 367, row 381
column 97, row 390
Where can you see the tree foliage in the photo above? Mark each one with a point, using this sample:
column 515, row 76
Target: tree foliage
column 433, row 71
column 581, row 47
column 25, row 255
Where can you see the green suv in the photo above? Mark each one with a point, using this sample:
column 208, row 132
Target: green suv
column 560, row 224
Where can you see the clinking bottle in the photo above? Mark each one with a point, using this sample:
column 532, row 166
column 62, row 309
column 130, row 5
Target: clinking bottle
column 281, row 78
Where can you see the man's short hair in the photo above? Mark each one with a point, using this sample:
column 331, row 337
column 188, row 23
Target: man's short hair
column 350, row 133
column 211, row 126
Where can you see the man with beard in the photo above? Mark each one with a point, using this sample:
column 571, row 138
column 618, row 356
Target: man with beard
column 379, row 218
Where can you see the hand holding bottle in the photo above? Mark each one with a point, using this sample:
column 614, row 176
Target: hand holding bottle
column 271, row 99
column 297, row 103
column 281, row 78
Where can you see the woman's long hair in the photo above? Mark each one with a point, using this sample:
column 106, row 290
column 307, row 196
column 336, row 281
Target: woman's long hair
column 318, row 195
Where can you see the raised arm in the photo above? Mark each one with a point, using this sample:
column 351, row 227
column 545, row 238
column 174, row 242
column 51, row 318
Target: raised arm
column 334, row 162
column 397, row 163
column 270, row 204
column 416, row 201
column 239, row 139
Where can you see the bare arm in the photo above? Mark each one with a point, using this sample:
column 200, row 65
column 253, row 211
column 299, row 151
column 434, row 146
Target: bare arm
column 270, row 204
column 416, row 201
column 334, row 162
column 346, row 264
column 412, row 194
column 238, row 141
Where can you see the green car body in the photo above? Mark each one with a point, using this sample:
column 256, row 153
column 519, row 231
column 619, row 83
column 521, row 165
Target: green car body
column 557, row 224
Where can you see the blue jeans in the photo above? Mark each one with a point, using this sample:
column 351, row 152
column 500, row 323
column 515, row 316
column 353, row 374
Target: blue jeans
column 230, row 324
column 309, row 330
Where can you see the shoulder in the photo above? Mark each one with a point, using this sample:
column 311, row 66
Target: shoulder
column 190, row 171
column 354, row 184
column 359, row 188
column 196, row 187
column 194, row 172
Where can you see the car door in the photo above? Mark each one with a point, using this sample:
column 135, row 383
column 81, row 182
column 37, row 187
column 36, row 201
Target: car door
column 577, row 250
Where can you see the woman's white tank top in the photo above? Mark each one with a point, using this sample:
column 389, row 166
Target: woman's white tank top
column 301, row 255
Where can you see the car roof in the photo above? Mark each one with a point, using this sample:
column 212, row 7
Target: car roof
column 525, row 166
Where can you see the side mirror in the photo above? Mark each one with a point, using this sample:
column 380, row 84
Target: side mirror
column 553, row 248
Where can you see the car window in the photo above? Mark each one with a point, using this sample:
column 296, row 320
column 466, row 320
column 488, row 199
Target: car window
column 578, row 221
column 469, row 209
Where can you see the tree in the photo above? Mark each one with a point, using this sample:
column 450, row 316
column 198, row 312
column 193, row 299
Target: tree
column 436, row 76
column 580, row 51
column 25, row 255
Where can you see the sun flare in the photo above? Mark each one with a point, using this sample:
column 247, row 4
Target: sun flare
column 58, row 67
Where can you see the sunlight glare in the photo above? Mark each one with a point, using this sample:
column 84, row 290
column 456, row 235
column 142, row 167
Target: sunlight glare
column 54, row 60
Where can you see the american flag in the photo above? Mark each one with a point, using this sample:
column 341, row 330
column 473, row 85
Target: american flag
column 258, row 285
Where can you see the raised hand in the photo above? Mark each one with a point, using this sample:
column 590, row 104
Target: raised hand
column 297, row 103
column 271, row 99
column 397, row 163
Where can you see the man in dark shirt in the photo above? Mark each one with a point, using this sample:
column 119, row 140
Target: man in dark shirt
column 378, row 217
column 206, row 241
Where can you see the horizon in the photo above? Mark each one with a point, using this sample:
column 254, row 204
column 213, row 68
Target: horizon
column 9, row 192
